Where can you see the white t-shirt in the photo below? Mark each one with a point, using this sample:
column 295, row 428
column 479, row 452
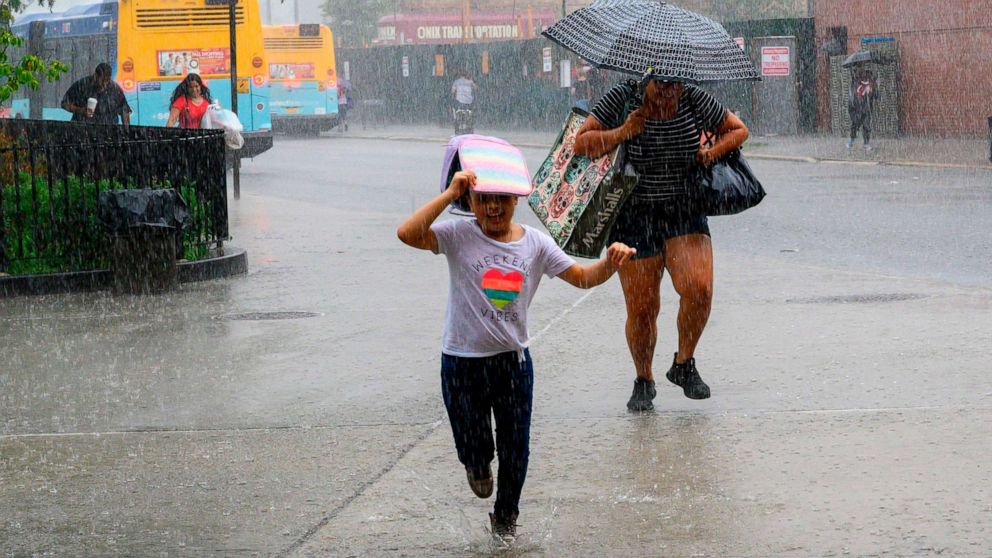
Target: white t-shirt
column 491, row 286
column 463, row 91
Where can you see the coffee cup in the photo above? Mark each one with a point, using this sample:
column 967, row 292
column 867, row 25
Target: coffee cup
column 90, row 105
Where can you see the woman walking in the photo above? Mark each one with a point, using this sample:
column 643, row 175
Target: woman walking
column 662, row 136
column 189, row 103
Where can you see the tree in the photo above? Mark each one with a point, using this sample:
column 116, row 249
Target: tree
column 354, row 21
column 30, row 68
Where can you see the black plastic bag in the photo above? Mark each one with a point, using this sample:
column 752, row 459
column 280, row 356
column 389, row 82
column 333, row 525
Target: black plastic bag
column 120, row 210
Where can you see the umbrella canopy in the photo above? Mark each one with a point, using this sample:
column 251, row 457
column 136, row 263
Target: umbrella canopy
column 860, row 57
column 635, row 36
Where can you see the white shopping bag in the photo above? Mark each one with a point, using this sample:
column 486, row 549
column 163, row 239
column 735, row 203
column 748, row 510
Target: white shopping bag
column 217, row 118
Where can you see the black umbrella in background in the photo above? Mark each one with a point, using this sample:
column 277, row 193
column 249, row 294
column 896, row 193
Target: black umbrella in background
column 635, row 36
column 860, row 57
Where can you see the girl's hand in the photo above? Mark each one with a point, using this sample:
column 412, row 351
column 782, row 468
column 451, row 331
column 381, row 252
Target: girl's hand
column 619, row 254
column 462, row 182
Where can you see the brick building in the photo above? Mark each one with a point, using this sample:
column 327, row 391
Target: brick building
column 945, row 59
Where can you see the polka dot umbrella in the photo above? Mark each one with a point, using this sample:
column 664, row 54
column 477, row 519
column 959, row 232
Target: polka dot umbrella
column 641, row 36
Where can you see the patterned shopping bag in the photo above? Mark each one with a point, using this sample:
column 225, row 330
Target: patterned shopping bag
column 578, row 198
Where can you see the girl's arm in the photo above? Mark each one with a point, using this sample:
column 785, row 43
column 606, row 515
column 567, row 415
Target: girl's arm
column 416, row 230
column 588, row 276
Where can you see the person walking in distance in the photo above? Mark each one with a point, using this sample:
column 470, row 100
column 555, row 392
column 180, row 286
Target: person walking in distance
column 190, row 101
column 96, row 99
column 861, row 103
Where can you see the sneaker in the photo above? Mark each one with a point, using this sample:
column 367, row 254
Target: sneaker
column 481, row 480
column 640, row 399
column 850, row 145
column 504, row 531
column 687, row 377
column 868, row 147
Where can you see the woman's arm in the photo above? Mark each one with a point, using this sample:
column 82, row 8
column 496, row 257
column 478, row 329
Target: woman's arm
column 732, row 133
column 594, row 140
column 416, row 230
column 173, row 117
column 588, row 276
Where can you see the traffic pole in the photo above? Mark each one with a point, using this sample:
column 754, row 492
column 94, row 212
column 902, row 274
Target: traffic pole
column 233, row 23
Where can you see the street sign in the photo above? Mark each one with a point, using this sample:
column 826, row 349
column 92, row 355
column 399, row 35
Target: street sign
column 547, row 59
column 406, row 66
column 775, row 61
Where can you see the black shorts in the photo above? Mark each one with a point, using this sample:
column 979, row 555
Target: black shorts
column 646, row 225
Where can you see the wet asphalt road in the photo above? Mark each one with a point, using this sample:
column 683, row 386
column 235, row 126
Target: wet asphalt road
column 928, row 223
column 845, row 353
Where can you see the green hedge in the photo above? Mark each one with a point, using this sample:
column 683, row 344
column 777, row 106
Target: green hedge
column 55, row 229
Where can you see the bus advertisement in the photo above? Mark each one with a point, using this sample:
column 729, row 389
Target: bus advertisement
column 152, row 45
column 301, row 71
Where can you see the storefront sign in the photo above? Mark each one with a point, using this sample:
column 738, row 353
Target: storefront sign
column 775, row 61
column 547, row 59
column 451, row 28
column 406, row 66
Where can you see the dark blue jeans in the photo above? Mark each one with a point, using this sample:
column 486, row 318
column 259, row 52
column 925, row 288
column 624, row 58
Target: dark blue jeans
column 476, row 389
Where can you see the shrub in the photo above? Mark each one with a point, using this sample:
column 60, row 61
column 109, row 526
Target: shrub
column 50, row 228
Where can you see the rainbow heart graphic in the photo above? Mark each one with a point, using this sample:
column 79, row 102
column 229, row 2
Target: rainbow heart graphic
column 501, row 288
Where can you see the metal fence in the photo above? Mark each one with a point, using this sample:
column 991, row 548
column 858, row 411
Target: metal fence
column 52, row 173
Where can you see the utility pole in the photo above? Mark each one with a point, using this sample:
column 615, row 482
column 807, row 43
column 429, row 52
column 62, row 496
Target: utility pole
column 233, row 30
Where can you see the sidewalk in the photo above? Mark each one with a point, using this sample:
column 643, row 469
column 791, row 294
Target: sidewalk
column 909, row 151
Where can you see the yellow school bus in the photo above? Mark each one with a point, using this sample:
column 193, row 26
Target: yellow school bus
column 159, row 42
column 303, row 77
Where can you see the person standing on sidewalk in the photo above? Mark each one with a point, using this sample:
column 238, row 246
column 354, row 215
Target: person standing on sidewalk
column 495, row 266
column 660, row 219
column 110, row 103
column 860, row 103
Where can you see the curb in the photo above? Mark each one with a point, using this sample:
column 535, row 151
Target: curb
column 233, row 262
column 764, row 156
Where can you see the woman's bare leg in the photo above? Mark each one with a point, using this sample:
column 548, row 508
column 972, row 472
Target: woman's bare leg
column 641, row 281
column 689, row 260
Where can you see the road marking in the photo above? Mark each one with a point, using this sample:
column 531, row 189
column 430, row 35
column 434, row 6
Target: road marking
column 562, row 315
